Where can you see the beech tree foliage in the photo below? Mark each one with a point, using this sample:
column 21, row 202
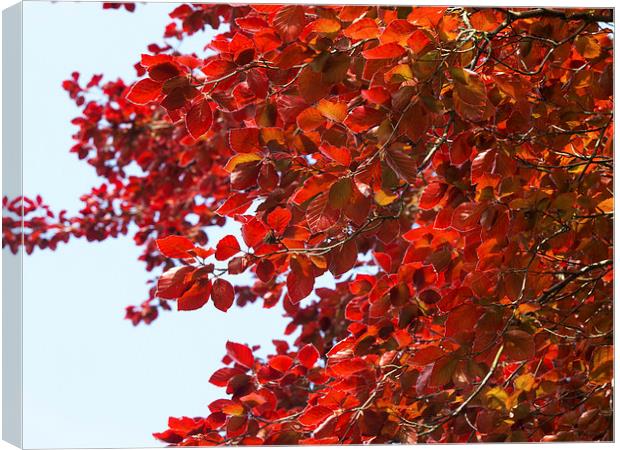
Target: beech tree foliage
column 450, row 168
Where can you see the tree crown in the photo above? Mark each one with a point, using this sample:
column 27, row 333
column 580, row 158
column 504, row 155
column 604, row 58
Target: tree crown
column 451, row 168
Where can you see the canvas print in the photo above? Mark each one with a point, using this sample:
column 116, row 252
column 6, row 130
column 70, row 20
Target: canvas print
column 322, row 224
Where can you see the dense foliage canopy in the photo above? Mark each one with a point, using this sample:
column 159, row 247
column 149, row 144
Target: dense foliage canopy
column 451, row 168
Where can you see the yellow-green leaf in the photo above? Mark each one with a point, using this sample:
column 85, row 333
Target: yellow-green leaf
column 602, row 364
column 240, row 159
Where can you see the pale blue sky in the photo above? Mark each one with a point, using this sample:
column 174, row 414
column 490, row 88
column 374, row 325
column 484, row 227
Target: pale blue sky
column 90, row 378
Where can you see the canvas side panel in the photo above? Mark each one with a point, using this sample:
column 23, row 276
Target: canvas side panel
column 12, row 410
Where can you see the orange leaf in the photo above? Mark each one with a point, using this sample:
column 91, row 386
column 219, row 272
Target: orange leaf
column 386, row 51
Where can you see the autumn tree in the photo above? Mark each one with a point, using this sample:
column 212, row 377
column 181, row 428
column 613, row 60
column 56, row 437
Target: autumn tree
column 450, row 168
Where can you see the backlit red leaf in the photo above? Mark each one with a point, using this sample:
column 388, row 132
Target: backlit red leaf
column 199, row 118
column 235, row 204
column 290, row 20
column 401, row 163
column 470, row 98
column 315, row 415
column 240, row 353
column 363, row 118
column 340, row 193
column 308, row 356
column 385, row 51
column 228, row 246
column 281, row 363
column 221, row 376
column 172, row 283
column 253, row 232
column 223, row 294
column 432, row 195
column 175, row 246
column 343, row 258
column 163, row 71
column 442, row 371
column 144, row 91
column 519, row 345
column 244, row 140
column 300, row 280
column 278, row 219
column 466, row 217
column 320, row 214
column 196, row 296
column 349, row 367
column 362, row 29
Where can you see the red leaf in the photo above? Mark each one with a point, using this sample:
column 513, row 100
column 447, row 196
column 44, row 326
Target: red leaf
column 217, row 68
column 241, row 163
column 429, row 296
column 442, row 372
column 470, row 98
column 358, row 208
column 384, row 260
column 380, row 307
column 320, row 215
column 300, row 280
column 253, row 232
column 323, row 25
column 175, row 246
column 461, row 149
column 386, row 51
column 349, row 366
column 251, row 23
column 329, row 440
column 310, row 119
column 401, row 163
column 308, row 356
column 397, row 31
column 341, row 155
column 199, row 118
column 237, row 265
column 163, row 71
column 312, row 86
column 240, row 353
column 333, row 111
column 378, row 95
column 281, row 363
column 195, row 297
column 268, row 177
column 144, row 91
column 184, row 425
column 466, row 217
column 278, row 219
column 235, row 204
column 227, row 247
column 290, row 20
column 519, row 345
column 171, row 284
column 265, row 270
column 427, row 355
column 343, row 258
column 221, row 376
column 462, row 319
column 168, row 436
column 440, row 259
column 432, row 195
column 310, row 188
column 363, row 118
column 223, row 294
column 362, row 29
column 340, row 193
column 315, row 415
column 244, row 140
